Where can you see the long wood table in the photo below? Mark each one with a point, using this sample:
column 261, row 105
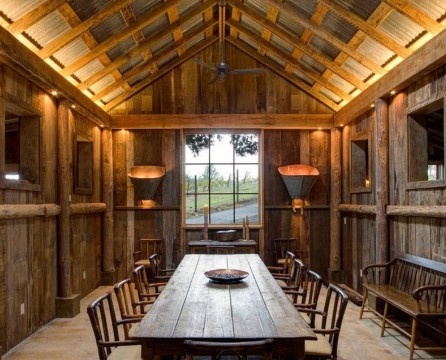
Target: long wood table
column 193, row 307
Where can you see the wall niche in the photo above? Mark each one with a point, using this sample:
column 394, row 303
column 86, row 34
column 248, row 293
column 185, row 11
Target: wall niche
column 360, row 163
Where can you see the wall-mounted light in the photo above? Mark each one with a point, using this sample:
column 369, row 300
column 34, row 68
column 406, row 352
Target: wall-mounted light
column 146, row 179
column 298, row 179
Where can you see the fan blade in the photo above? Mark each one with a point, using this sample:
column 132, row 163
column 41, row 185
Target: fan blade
column 211, row 67
column 214, row 79
column 248, row 71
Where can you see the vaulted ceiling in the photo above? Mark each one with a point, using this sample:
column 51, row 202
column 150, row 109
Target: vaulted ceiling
column 331, row 49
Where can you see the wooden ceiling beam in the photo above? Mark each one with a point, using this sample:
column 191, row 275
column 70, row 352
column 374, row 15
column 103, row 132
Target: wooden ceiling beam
column 35, row 69
column 173, row 16
column 116, row 38
column 271, row 16
column 327, row 36
column 366, row 28
column 223, row 121
column 122, row 59
column 275, row 68
column 301, row 45
column 161, row 72
column 416, row 15
column 84, row 26
column 291, row 61
column 34, row 16
column 419, row 64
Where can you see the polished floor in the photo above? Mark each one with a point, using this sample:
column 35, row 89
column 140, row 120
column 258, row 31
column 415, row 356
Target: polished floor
column 72, row 339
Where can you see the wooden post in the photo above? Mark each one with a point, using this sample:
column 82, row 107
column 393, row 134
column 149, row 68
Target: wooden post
column 381, row 159
column 335, row 200
column 108, row 267
column 67, row 304
column 2, row 133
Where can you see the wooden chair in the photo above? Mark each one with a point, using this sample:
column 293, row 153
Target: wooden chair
column 307, row 296
column 146, row 290
column 129, row 304
column 286, row 267
column 326, row 345
column 220, row 249
column 218, row 349
column 282, row 246
column 293, row 280
column 106, row 331
column 148, row 247
column 158, row 274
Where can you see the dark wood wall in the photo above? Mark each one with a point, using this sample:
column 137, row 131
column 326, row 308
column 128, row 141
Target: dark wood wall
column 413, row 232
column 28, row 245
column 29, row 242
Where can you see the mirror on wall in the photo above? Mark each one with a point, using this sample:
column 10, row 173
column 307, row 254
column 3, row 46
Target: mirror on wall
column 83, row 165
column 360, row 170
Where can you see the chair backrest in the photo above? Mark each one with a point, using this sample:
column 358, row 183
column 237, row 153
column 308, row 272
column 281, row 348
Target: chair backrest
column 334, row 310
column 128, row 301
column 220, row 249
column 151, row 246
column 145, row 289
column 311, row 288
column 218, row 349
column 105, row 325
column 297, row 273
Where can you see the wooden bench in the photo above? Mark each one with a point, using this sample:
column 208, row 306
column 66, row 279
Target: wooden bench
column 413, row 285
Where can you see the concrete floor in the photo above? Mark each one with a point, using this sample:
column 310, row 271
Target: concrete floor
column 72, row 339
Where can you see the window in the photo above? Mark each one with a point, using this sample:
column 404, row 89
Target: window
column 360, row 163
column 426, row 144
column 222, row 174
column 22, row 148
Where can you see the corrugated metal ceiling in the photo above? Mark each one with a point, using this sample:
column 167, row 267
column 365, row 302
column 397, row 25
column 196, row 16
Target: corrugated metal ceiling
column 332, row 49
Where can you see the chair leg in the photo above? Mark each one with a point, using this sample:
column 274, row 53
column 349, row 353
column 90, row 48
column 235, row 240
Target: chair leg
column 364, row 299
column 383, row 325
column 412, row 338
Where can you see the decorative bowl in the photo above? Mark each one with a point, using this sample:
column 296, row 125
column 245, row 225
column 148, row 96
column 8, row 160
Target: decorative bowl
column 226, row 235
column 226, row 276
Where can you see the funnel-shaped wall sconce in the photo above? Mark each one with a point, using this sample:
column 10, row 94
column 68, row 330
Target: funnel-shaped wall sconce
column 298, row 179
column 146, row 179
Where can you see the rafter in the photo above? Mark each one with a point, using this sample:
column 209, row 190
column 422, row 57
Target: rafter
column 271, row 16
column 84, row 26
column 290, row 61
column 130, row 74
column 366, row 28
column 116, row 38
column 327, row 36
column 161, row 72
column 34, row 16
column 301, row 45
column 416, row 15
column 73, row 20
column 122, row 59
column 274, row 67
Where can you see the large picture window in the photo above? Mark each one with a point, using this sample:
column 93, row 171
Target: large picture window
column 222, row 175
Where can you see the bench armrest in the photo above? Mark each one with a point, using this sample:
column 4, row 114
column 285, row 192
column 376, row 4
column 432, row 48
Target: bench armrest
column 365, row 270
column 429, row 298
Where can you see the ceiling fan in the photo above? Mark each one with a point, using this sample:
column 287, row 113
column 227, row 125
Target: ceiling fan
column 222, row 69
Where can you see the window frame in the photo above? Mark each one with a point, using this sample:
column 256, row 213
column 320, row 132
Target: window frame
column 425, row 184
column 27, row 114
column 259, row 133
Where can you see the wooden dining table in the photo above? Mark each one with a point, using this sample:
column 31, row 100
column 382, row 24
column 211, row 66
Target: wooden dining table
column 194, row 307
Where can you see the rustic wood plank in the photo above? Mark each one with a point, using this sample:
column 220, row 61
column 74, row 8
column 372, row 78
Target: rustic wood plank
column 250, row 121
column 413, row 210
column 87, row 208
column 362, row 209
column 17, row 211
column 335, row 199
